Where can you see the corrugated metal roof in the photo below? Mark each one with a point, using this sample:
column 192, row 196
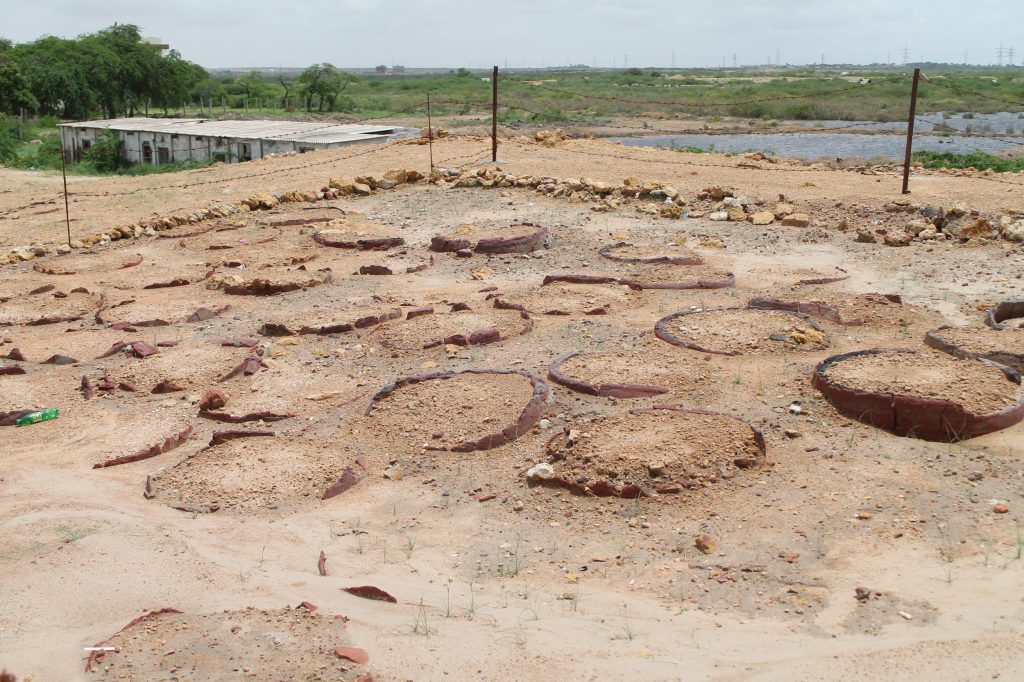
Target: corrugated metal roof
column 293, row 131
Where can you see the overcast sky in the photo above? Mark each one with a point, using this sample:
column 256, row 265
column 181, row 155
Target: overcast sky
column 362, row 33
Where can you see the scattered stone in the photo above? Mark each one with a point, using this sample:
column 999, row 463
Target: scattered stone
column 540, row 472
column 762, row 218
column 168, row 386
column 897, row 238
column 718, row 193
column 354, row 654
column 1001, row 508
column 797, row 220
column 782, row 209
column 370, row 592
column 865, row 236
column 979, row 228
column 736, row 214
column 705, row 543
column 1014, row 232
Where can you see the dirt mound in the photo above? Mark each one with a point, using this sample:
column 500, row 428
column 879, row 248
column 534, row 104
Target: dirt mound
column 474, row 409
column 150, row 308
column 342, row 234
column 252, row 248
column 650, row 254
column 1005, row 347
column 568, row 299
column 666, row 277
column 294, row 216
column 633, row 374
column 290, row 643
column 255, row 474
column 863, row 309
column 665, row 449
column 322, row 319
column 47, row 307
column 270, row 282
column 89, row 262
column 923, row 394
column 392, row 263
column 522, row 238
column 741, row 331
column 423, row 328
column 678, row 277
column 193, row 367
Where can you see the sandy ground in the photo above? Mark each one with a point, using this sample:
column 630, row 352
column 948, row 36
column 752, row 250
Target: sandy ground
column 534, row 582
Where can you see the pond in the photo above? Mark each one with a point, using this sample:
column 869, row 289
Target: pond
column 824, row 145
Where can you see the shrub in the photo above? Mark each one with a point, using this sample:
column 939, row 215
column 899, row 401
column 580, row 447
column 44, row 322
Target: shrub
column 8, row 141
column 105, row 153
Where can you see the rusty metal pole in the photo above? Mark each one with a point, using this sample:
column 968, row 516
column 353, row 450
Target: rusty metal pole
column 430, row 135
column 910, row 131
column 64, row 173
column 494, row 114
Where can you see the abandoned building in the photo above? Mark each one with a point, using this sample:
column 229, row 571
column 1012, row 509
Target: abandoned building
column 169, row 140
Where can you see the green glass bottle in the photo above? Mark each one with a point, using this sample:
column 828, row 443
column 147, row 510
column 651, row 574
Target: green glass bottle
column 36, row 417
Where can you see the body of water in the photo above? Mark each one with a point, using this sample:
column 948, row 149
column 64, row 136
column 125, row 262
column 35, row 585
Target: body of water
column 823, row 145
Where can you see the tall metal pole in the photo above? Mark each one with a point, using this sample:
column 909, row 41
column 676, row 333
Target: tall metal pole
column 494, row 114
column 910, row 131
column 430, row 135
column 64, row 173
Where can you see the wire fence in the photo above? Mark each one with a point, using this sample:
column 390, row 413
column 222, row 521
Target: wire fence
column 626, row 125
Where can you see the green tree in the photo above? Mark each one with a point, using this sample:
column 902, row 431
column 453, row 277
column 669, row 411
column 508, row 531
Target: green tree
column 14, row 90
column 56, row 75
column 252, row 85
column 173, row 81
column 111, row 69
column 324, row 83
column 121, row 67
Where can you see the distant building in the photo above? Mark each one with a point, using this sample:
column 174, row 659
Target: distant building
column 398, row 68
column 160, row 45
column 382, row 68
column 168, row 140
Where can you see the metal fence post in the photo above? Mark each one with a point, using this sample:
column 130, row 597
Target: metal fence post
column 494, row 114
column 910, row 131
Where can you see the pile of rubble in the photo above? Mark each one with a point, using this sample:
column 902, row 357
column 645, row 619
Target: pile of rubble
column 929, row 224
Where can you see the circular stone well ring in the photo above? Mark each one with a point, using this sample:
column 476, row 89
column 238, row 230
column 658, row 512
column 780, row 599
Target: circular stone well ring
column 526, row 419
column 901, row 390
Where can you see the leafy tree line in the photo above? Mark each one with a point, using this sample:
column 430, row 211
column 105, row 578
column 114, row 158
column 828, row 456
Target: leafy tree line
column 318, row 88
column 111, row 72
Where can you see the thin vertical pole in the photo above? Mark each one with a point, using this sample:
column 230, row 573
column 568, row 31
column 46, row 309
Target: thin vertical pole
column 64, row 173
column 430, row 135
column 494, row 114
column 910, row 131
